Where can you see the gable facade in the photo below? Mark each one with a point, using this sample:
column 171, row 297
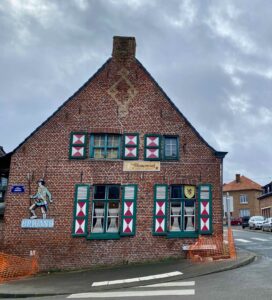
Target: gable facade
column 124, row 176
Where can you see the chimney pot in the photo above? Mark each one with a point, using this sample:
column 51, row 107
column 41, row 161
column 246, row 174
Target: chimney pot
column 123, row 47
column 238, row 178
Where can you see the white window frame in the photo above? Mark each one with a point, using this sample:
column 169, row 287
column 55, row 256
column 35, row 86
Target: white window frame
column 243, row 199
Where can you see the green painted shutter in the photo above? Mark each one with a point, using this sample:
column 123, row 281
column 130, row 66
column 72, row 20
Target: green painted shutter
column 128, row 217
column 152, row 150
column 205, row 208
column 81, row 208
column 160, row 209
column 131, row 146
column 78, row 143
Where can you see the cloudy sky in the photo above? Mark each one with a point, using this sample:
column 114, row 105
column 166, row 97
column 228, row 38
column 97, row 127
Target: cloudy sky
column 212, row 58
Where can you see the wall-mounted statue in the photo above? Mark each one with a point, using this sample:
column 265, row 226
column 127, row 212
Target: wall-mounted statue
column 41, row 200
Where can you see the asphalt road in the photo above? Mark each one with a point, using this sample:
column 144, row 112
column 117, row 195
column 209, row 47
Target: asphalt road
column 250, row 282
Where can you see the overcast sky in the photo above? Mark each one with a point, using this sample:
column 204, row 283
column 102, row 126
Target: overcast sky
column 212, row 58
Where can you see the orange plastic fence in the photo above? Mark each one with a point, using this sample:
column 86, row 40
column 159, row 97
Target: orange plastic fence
column 14, row 267
column 208, row 248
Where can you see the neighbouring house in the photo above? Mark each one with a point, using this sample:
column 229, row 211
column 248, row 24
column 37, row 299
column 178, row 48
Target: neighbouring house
column 116, row 175
column 243, row 193
column 265, row 200
column 4, row 173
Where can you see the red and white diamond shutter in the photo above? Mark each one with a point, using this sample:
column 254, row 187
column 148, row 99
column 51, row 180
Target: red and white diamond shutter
column 128, row 217
column 160, row 209
column 78, row 142
column 131, row 146
column 152, row 147
column 205, row 209
column 81, row 207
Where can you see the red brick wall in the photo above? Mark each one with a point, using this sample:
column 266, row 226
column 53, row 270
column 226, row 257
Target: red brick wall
column 92, row 109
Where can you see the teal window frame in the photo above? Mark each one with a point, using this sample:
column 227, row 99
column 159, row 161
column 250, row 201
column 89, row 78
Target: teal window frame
column 105, row 235
column 126, row 145
column 106, row 147
column 182, row 199
column 170, row 158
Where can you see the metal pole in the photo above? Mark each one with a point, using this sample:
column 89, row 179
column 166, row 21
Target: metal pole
column 228, row 209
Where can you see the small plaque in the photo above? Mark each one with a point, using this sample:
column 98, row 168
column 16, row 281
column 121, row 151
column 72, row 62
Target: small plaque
column 37, row 223
column 141, row 166
column 17, row 189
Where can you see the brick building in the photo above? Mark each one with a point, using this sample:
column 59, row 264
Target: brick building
column 265, row 201
column 130, row 178
column 245, row 193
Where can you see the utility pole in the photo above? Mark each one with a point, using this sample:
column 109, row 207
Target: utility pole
column 228, row 209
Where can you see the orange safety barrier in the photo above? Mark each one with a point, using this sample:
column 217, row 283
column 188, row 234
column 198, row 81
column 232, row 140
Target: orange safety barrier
column 209, row 248
column 15, row 267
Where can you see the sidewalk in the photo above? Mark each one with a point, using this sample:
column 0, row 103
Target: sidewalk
column 65, row 283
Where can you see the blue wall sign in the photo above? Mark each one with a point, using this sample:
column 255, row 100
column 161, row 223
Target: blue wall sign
column 17, row 189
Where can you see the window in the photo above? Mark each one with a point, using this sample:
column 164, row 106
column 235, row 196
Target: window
column 170, row 150
column 244, row 212
column 243, row 199
column 105, row 146
column 182, row 208
column 105, row 209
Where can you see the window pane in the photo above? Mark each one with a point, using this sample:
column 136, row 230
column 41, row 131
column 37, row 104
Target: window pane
column 175, row 216
column 170, row 147
column 113, row 214
column 98, row 153
column 98, row 215
column 100, row 192
column 99, row 140
column 176, row 192
column 112, row 153
column 114, row 192
column 113, row 141
column 189, row 216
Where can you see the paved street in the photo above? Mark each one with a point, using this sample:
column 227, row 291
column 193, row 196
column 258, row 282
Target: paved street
column 250, row 282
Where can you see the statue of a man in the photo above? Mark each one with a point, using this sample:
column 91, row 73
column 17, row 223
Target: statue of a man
column 41, row 200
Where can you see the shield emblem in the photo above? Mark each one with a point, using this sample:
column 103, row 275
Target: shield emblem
column 189, row 191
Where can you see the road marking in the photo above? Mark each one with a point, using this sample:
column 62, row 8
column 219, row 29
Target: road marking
column 260, row 239
column 170, row 284
column 242, row 240
column 133, row 294
column 120, row 281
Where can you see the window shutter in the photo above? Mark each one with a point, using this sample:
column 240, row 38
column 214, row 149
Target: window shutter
column 78, row 142
column 205, row 209
column 81, row 208
column 131, row 146
column 152, row 147
column 128, row 217
column 160, row 209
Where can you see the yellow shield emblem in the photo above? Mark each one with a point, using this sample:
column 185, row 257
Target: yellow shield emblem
column 189, row 191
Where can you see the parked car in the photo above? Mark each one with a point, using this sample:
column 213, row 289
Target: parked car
column 236, row 221
column 245, row 222
column 256, row 222
column 267, row 225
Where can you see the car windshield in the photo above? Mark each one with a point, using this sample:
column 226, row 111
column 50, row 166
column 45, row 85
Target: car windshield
column 259, row 218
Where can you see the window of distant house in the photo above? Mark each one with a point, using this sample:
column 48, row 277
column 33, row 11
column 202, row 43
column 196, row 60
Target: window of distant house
column 105, row 146
column 105, row 209
column 243, row 199
column 244, row 213
column 170, row 147
column 182, row 208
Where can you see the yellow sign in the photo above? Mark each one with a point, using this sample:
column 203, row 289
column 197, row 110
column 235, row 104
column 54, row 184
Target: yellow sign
column 141, row 166
column 189, row 191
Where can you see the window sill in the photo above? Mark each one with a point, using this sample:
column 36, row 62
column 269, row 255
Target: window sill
column 191, row 234
column 103, row 236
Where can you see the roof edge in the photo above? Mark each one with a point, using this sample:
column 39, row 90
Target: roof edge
column 216, row 153
column 64, row 103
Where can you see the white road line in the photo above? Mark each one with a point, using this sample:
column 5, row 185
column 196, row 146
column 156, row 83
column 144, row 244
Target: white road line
column 133, row 294
column 170, row 284
column 242, row 240
column 164, row 275
column 260, row 239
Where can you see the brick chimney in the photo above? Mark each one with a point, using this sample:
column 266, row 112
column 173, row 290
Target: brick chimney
column 238, row 178
column 123, row 47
